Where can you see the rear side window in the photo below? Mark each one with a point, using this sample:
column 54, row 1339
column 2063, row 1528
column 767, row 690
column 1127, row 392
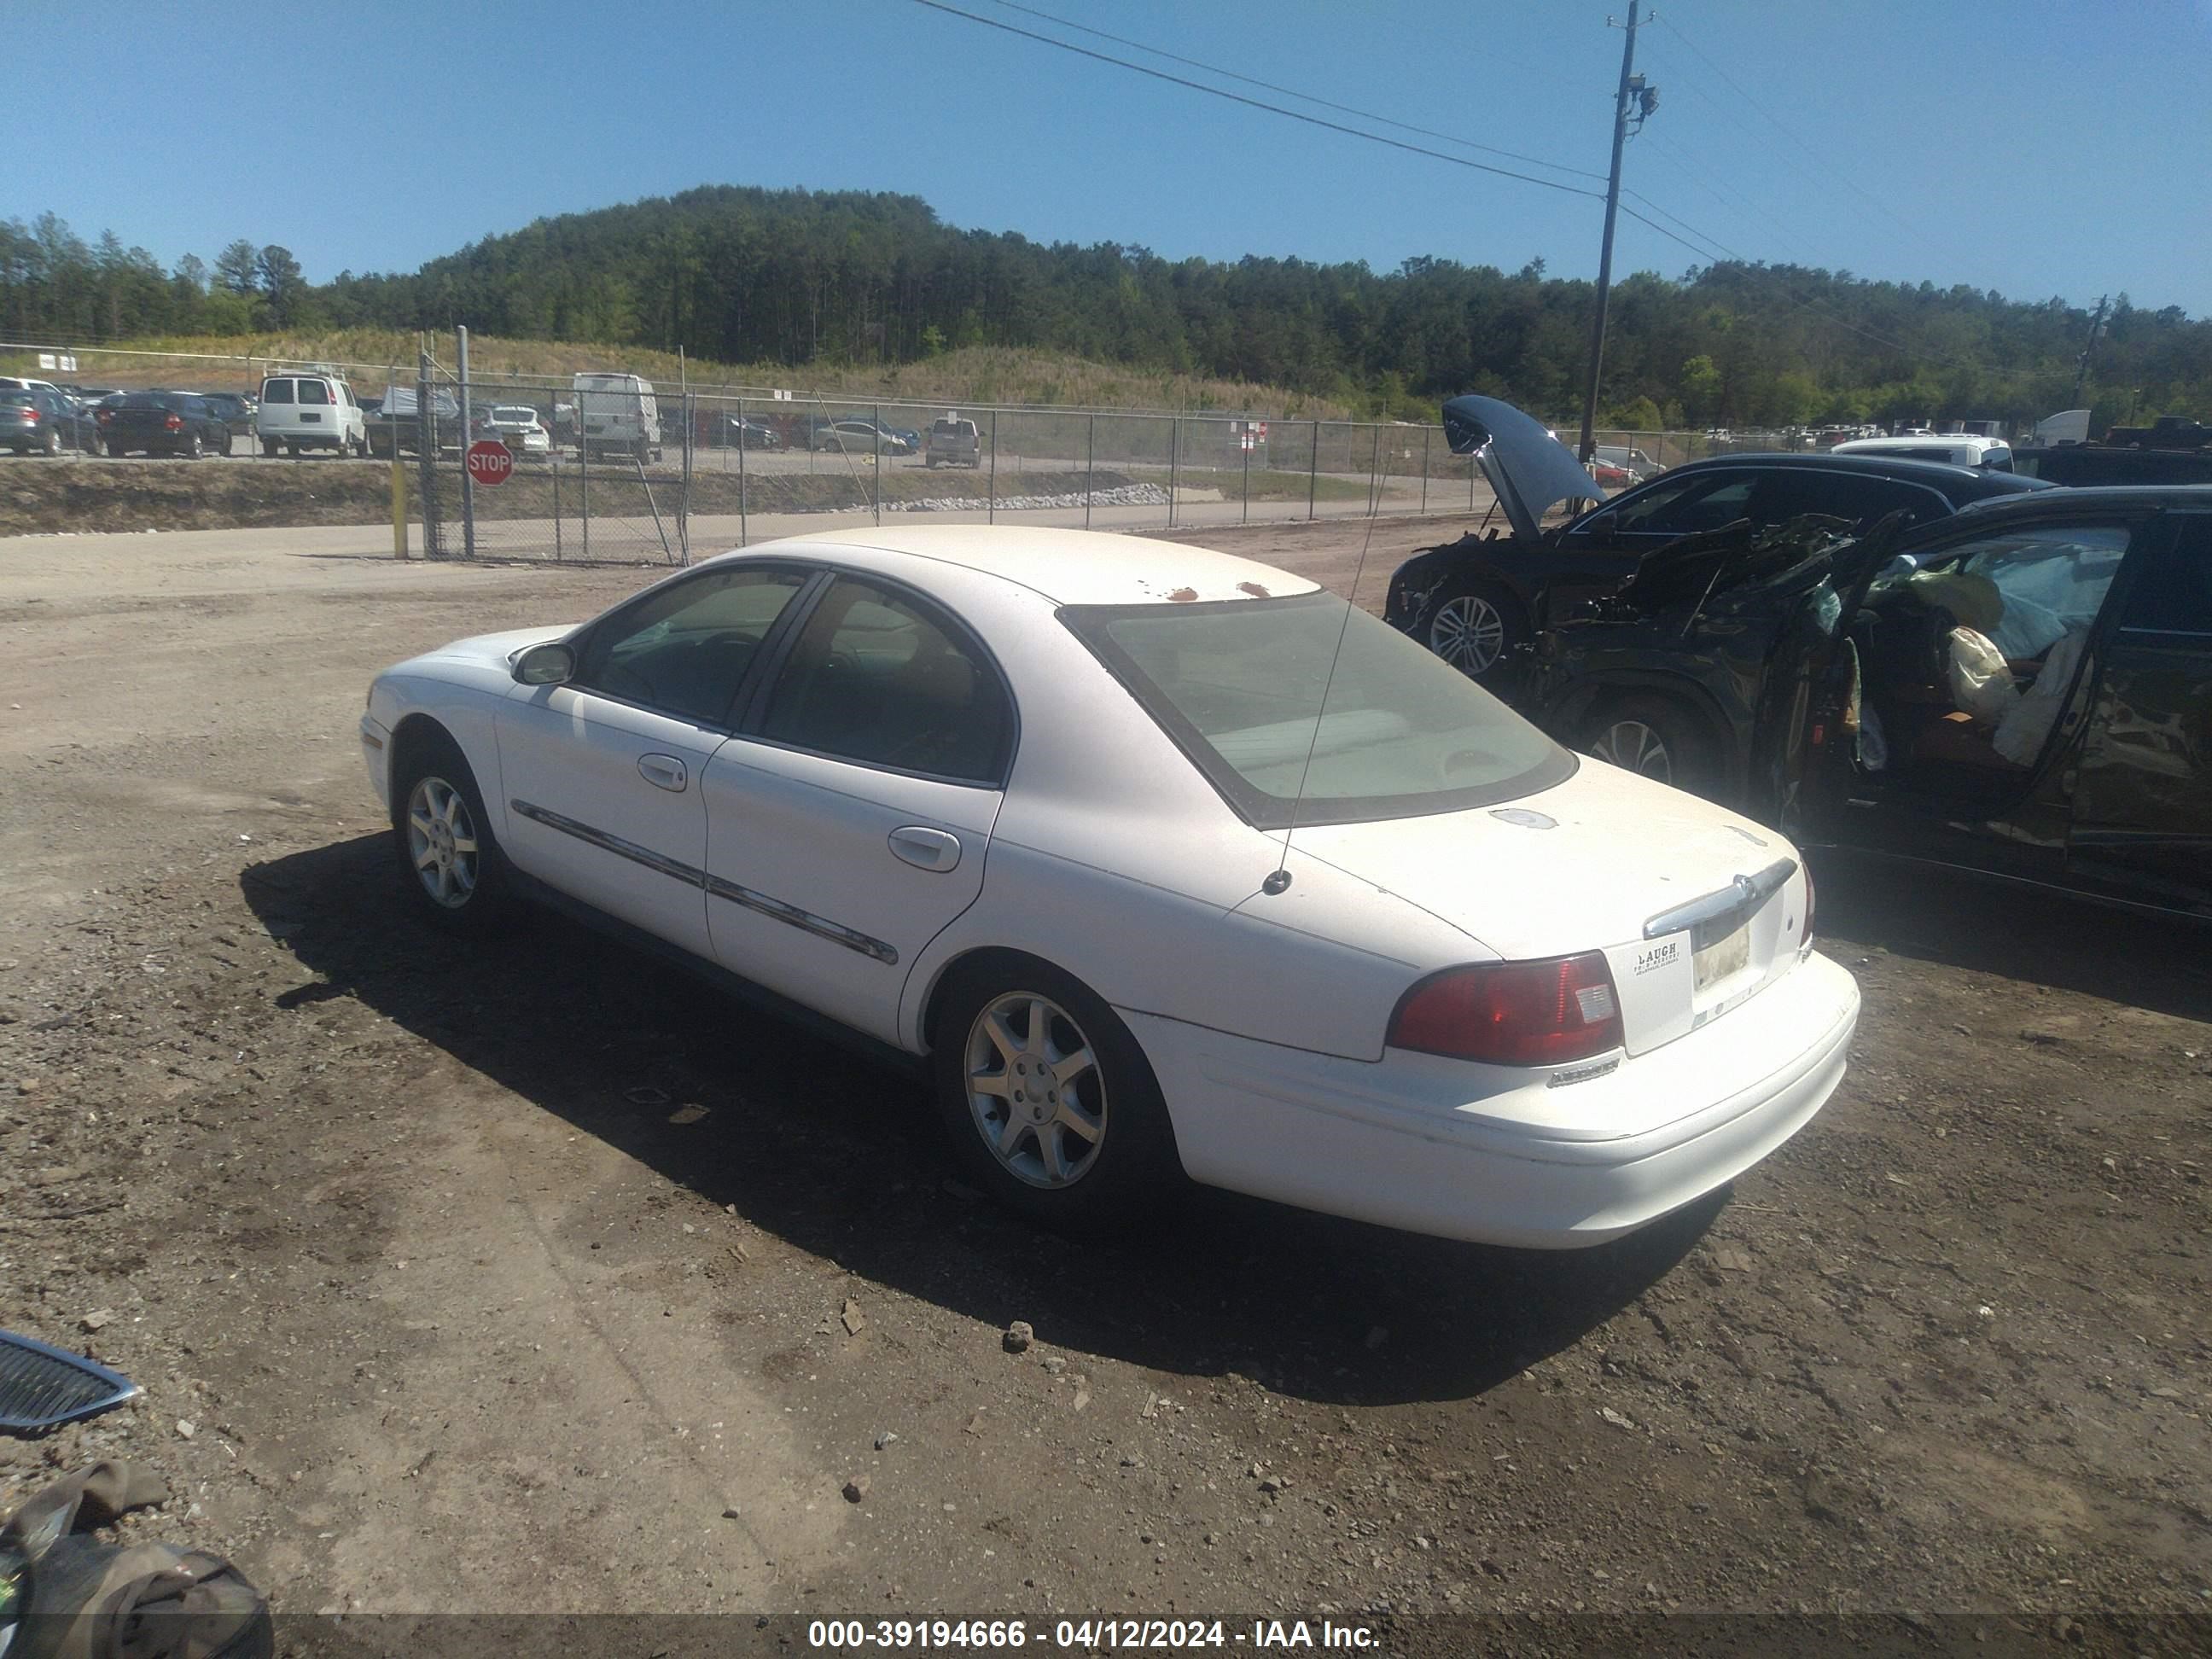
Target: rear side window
column 277, row 391
column 878, row 678
column 2174, row 593
column 315, row 392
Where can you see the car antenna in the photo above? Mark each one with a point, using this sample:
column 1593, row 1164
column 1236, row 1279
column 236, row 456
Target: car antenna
column 1278, row 879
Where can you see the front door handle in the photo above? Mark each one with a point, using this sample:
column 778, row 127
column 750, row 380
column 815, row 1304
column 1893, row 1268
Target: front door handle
column 926, row 848
column 662, row 771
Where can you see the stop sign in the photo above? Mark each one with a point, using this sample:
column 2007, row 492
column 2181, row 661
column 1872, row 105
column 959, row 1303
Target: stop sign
column 490, row 461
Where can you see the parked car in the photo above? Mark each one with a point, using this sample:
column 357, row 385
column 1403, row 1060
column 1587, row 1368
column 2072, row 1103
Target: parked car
column 1639, row 467
column 1474, row 600
column 163, row 423
column 2023, row 688
column 620, row 415
column 1958, row 449
column 954, row 443
column 729, row 432
column 1013, row 805
column 517, row 427
column 237, row 410
column 395, row 426
column 20, row 383
column 856, row 434
column 310, row 411
column 45, row 424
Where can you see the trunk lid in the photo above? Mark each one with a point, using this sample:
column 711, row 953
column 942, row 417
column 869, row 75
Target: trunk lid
column 1530, row 470
column 1695, row 908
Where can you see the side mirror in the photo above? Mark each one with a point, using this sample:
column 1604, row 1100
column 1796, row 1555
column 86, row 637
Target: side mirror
column 551, row 664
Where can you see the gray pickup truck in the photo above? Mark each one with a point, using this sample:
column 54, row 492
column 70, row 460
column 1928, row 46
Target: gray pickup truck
column 954, row 442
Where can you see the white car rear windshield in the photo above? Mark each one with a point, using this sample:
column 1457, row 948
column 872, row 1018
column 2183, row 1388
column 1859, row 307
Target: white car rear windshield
column 512, row 417
column 1239, row 685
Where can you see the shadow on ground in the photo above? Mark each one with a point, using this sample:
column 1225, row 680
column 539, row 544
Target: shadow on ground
column 2028, row 934
column 839, row 1156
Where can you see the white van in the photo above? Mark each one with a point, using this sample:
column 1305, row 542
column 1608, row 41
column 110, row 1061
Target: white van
column 310, row 411
column 619, row 415
column 1960, row 449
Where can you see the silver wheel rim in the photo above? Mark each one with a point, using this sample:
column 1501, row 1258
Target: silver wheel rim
column 1635, row 747
column 1468, row 633
column 441, row 841
column 1034, row 1092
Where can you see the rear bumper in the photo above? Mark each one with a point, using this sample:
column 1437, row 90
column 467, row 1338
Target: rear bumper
column 1406, row 1142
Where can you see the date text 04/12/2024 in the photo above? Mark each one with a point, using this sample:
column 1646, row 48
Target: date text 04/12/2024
column 1085, row 1635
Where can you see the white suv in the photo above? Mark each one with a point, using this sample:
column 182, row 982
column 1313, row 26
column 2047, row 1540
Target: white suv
column 310, row 411
column 1959, row 448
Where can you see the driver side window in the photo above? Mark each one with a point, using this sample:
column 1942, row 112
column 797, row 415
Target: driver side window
column 684, row 649
column 2051, row 581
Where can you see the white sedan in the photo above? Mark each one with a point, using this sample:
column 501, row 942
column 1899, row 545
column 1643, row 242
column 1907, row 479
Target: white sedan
column 1054, row 815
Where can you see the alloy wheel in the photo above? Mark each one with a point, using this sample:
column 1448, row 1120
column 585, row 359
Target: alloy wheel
column 1635, row 747
column 1468, row 633
column 1034, row 1090
column 441, row 843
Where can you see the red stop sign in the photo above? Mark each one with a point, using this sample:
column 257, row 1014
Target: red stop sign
column 490, row 461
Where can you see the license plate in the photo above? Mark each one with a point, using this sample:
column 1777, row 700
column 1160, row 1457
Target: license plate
column 310, row 417
column 1721, row 958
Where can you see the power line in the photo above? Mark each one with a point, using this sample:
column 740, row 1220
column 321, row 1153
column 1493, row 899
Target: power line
column 1257, row 103
column 1697, row 247
column 1292, row 92
column 1774, row 121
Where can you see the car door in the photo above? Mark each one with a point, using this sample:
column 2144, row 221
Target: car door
column 601, row 774
column 847, row 822
column 2045, row 583
column 2143, row 803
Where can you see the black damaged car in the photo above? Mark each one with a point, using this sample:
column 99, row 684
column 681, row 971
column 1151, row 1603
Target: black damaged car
column 1474, row 600
column 2023, row 689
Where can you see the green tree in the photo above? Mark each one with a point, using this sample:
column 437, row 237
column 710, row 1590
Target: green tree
column 237, row 268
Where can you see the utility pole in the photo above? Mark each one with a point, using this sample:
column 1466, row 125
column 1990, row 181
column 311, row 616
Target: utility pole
column 2081, row 363
column 1620, row 105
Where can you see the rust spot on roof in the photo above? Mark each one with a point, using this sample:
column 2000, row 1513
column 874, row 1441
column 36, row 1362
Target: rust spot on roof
column 1252, row 588
column 1184, row 595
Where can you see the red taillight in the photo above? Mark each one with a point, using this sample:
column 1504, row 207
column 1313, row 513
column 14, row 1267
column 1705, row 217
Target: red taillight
column 1513, row 1014
column 175, row 422
column 30, row 414
column 105, row 415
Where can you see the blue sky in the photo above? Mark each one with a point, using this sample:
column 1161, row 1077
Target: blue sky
column 2034, row 148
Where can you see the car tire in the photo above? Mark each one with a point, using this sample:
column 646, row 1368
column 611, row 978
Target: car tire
column 230, row 443
column 1099, row 1177
column 292, row 451
column 1656, row 736
column 51, row 445
column 456, row 880
column 269, row 447
column 193, row 448
column 1472, row 625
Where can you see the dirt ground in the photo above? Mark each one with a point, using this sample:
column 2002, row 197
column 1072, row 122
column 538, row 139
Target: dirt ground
column 545, row 1279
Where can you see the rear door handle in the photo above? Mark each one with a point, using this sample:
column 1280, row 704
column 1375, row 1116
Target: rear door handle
column 662, row 771
column 926, row 848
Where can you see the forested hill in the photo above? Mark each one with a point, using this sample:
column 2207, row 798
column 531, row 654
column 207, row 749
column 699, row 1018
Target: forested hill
column 746, row 276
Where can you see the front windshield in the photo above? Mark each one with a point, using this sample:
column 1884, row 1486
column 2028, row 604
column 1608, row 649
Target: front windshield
column 1239, row 684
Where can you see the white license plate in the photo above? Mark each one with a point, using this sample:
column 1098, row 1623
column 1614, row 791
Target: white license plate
column 1721, row 958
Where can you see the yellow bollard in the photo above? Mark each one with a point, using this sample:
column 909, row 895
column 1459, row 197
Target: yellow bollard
column 399, row 507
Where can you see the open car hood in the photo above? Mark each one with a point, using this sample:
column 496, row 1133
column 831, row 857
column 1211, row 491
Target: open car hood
column 1529, row 469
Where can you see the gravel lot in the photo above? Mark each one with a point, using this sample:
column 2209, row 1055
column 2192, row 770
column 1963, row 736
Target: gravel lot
column 546, row 1280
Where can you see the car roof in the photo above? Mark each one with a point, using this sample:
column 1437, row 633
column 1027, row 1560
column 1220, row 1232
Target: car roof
column 2096, row 497
column 1068, row 567
column 1943, row 474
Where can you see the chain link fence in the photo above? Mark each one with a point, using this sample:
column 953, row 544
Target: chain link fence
column 609, row 468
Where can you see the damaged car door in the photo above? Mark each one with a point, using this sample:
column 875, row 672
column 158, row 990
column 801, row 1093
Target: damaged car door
column 2143, row 804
